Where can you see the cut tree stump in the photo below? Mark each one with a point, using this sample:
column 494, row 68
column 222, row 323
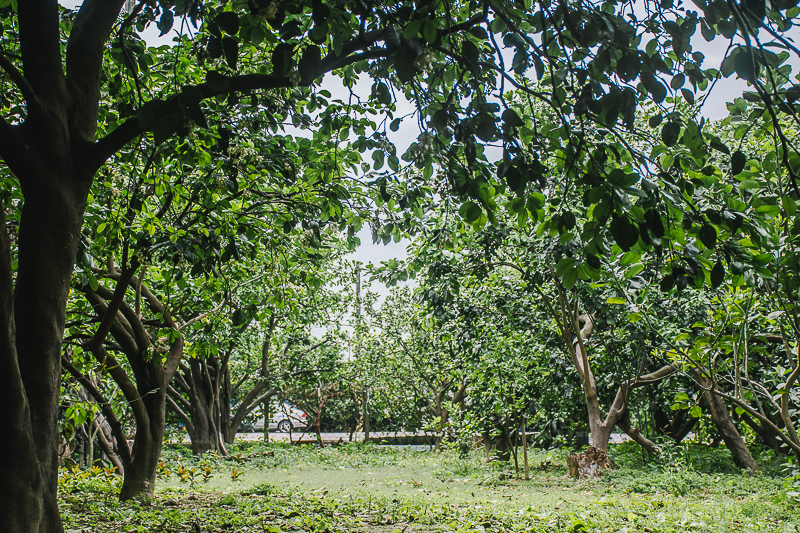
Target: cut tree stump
column 589, row 464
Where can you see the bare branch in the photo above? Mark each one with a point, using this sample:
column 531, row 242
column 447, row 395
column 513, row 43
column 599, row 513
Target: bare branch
column 203, row 315
column 19, row 80
column 112, row 309
column 183, row 416
column 105, row 407
column 763, row 419
column 41, row 48
column 84, row 61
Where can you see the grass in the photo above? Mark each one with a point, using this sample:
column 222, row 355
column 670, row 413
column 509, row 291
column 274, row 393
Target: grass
column 373, row 489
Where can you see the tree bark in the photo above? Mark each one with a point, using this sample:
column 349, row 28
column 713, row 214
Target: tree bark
column 722, row 419
column 30, row 348
column 140, row 474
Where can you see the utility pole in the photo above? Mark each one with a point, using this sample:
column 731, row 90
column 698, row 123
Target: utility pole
column 365, row 414
column 265, row 376
column 265, row 349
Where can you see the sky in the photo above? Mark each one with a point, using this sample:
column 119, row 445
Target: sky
column 725, row 91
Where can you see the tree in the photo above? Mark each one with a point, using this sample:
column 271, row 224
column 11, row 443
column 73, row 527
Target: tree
column 223, row 383
column 59, row 128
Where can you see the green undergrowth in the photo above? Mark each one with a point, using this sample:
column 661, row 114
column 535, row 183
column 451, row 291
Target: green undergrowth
column 356, row 488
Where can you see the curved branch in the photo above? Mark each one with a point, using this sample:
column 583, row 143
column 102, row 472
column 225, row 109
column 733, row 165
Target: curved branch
column 12, row 149
column 19, row 80
column 183, row 416
column 40, row 47
column 112, row 308
column 104, row 148
column 763, row 419
column 105, row 407
column 84, row 61
column 128, row 388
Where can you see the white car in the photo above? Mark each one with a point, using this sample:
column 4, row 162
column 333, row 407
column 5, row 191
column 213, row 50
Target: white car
column 285, row 418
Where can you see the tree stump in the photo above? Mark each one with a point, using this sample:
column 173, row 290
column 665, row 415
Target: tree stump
column 589, row 464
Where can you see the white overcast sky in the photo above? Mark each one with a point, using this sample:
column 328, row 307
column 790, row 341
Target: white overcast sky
column 725, row 91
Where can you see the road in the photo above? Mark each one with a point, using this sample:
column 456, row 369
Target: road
column 305, row 436
column 274, row 436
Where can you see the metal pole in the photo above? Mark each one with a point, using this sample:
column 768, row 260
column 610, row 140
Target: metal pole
column 365, row 414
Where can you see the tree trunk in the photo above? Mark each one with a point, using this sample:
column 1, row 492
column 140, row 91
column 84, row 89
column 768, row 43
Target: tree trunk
column 226, row 427
column 525, row 448
column 205, row 419
column 140, row 474
column 31, row 329
column 366, row 415
column 722, row 419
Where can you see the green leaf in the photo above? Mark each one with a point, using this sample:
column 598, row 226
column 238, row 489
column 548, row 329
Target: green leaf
column 257, row 35
column 165, row 22
column 616, row 300
column 470, row 211
column 430, row 31
column 708, row 236
column 718, row 145
column 789, row 206
column 633, row 270
column 746, row 66
column 377, row 159
column 717, row 274
column 654, row 87
column 439, row 120
column 228, row 21
column 624, row 232
column 696, row 411
column 382, row 94
column 520, row 62
column 512, row 119
column 564, row 265
column 738, row 161
column 671, row 132
column 682, row 397
column 628, row 65
column 728, row 66
column 570, row 278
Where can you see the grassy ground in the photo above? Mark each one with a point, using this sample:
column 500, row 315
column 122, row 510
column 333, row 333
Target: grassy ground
column 372, row 489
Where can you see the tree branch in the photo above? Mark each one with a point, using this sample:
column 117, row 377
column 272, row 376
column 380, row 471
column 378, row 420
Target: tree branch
column 179, row 397
column 763, row 419
column 105, row 407
column 180, row 413
column 40, row 47
column 104, row 148
column 19, row 80
column 84, row 62
column 112, row 309
column 12, row 149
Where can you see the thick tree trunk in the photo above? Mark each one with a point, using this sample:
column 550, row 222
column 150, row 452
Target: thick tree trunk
column 722, row 419
column 205, row 413
column 140, row 474
column 601, row 434
column 30, row 349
